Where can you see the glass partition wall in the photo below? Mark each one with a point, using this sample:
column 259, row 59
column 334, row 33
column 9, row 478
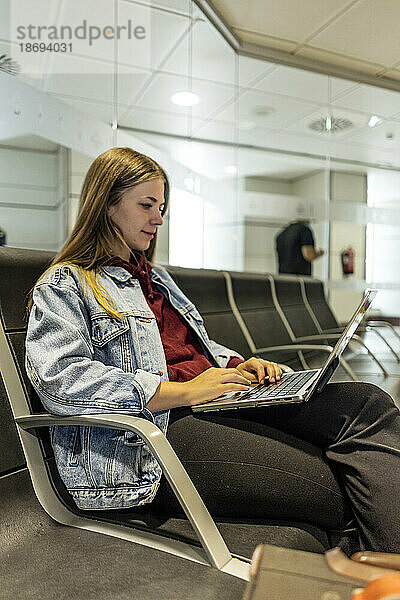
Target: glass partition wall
column 249, row 145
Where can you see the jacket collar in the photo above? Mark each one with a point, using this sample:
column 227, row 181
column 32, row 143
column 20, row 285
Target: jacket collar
column 118, row 273
column 122, row 275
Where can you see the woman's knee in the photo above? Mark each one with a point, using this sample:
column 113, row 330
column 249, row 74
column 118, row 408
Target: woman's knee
column 361, row 399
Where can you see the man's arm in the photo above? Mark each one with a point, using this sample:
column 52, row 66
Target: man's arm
column 310, row 253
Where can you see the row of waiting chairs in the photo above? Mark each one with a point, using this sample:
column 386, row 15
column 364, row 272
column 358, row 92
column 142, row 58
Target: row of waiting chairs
column 142, row 553
column 286, row 318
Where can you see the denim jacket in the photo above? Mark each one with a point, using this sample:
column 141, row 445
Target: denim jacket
column 82, row 361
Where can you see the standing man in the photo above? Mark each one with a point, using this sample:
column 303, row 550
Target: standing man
column 295, row 248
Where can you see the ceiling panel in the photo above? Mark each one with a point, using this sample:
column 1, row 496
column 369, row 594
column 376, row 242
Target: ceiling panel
column 164, row 122
column 385, row 135
column 166, row 29
column 158, row 95
column 250, row 103
column 303, row 84
column 213, row 59
column 89, row 85
column 280, row 18
column 251, row 70
column 215, row 130
column 129, row 82
column 102, row 111
column 176, row 5
column 371, row 100
column 159, row 121
column 92, row 80
column 364, row 32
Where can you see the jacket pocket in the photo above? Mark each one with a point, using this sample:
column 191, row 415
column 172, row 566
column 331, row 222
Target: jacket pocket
column 132, row 439
column 105, row 329
column 76, row 449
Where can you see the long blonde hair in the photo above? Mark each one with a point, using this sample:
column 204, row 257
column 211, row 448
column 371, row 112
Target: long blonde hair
column 90, row 243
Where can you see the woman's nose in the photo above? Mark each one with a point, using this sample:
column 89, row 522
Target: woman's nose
column 157, row 218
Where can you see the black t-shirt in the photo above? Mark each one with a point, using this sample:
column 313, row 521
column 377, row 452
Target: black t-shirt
column 288, row 246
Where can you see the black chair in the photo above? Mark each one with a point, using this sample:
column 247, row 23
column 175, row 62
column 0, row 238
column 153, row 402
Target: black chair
column 320, row 311
column 207, row 289
column 195, row 539
column 289, row 299
column 250, row 296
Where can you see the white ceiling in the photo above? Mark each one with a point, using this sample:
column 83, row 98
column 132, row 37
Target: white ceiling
column 186, row 52
column 358, row 34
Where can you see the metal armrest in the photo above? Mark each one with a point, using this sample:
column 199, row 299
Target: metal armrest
column 378, row 324
column 189, row 498
column 334, row 330
column 327, row 334
column 328, row 349
column 355, row 338
column 324, row 348
column 382, row 323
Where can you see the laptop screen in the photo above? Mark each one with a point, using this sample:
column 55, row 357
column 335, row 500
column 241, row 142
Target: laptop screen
column 344, row 339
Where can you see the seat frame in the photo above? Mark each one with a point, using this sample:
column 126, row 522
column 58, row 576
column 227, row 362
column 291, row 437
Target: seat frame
column 213, row 551
column 371, row 326
column 294, row 345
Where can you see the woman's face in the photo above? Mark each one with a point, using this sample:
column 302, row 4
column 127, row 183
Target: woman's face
column 138, row 214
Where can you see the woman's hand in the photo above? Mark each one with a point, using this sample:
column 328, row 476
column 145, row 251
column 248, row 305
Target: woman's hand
column 205, row 387
column 254, row 369
column 213, row 383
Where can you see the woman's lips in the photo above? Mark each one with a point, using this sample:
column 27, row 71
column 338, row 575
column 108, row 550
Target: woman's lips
column 151, row 235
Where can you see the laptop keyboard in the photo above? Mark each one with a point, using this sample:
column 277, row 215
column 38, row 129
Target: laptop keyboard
column 289, row 384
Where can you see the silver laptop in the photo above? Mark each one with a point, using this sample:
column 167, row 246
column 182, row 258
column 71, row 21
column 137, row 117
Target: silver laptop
column 299, row 386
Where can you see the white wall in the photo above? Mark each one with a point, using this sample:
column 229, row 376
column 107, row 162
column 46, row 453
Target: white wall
column 33, row 197
column 267, row 205
column 348, row 201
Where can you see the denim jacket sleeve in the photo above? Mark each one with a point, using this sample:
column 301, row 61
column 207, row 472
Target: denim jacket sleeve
column 60, row 363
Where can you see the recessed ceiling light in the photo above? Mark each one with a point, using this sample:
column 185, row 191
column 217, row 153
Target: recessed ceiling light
column 185, row 98
column 231, row 169
column 330, row 124
column 263, row 111
column 374, row 120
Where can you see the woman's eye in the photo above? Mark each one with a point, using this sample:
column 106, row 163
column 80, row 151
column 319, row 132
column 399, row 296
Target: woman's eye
column 146, row 205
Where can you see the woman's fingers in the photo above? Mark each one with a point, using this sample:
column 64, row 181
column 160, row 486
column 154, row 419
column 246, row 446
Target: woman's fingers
column 274, row 371
column 233, row 376
column 255, row 368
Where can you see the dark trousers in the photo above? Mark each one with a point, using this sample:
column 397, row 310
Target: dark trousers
column 250, row 463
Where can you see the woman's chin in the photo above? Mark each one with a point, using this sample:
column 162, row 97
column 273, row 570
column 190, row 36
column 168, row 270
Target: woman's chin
column 140, row 247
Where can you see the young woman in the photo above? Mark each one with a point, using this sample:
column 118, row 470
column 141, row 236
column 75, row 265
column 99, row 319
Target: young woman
column 109, row 332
